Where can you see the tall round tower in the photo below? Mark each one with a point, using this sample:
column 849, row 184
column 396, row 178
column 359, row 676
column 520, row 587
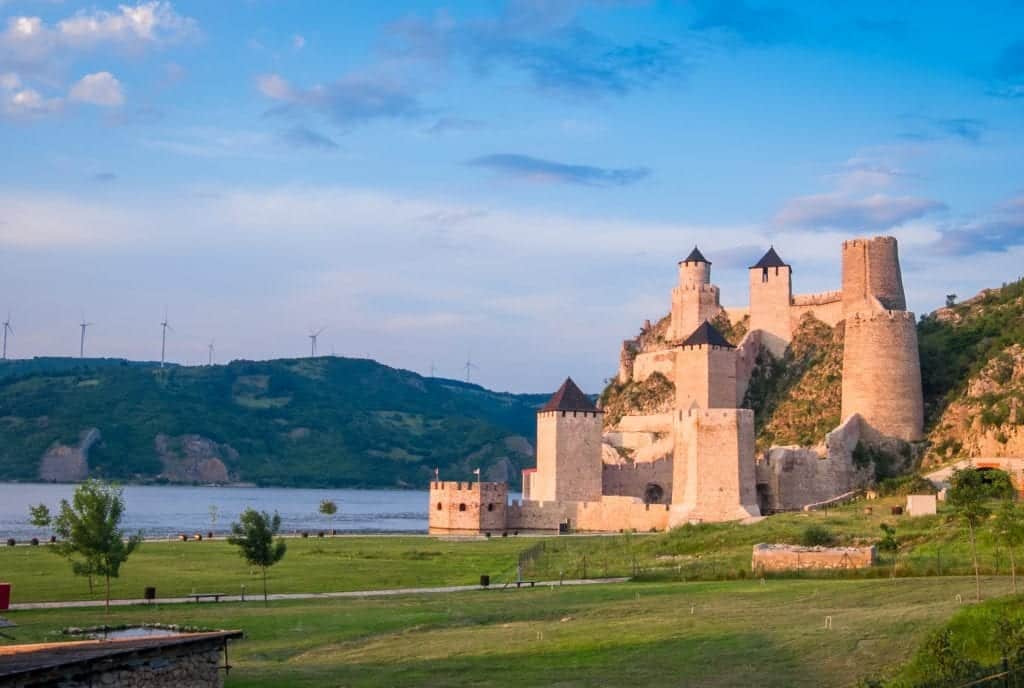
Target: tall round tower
column 882, row 373
column 871, row 270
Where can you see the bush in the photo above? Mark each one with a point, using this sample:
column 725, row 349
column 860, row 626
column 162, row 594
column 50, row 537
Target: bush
column 906, row 485
column 817, row 536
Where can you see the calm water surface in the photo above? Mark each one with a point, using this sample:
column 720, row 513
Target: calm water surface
column 161, row 511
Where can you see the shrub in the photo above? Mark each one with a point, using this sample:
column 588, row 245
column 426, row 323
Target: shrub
column 817, row 536
column 906, row 485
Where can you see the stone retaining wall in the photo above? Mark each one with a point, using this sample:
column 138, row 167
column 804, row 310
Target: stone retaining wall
column 796, row 558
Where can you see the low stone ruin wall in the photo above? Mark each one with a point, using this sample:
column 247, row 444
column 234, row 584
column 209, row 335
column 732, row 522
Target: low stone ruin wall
column 797, row 558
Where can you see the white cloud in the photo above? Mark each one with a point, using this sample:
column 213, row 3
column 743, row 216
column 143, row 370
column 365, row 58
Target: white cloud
column 101, row 88
column 275, row 87
column 22, row 103
column 298, row 42
column 29, row 44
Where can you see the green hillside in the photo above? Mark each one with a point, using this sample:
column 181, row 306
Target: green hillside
column 313, row 422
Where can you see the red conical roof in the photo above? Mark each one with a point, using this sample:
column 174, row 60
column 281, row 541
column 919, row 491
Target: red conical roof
column 569, row 397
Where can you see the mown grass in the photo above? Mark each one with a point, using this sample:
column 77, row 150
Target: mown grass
column 311, row 565
column 734, row 633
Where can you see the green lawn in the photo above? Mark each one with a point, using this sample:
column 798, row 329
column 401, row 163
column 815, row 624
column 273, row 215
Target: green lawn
column 739, row 633
column 929, row 545
column 311, row 565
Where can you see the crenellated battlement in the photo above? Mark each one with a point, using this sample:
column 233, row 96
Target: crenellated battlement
column 820, row 299
column 880, row 316
column 850, row 243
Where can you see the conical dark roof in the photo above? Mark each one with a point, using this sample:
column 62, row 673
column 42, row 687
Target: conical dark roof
column 696, row 257
column 707, row 335
column 770, row 260
column 569, row 397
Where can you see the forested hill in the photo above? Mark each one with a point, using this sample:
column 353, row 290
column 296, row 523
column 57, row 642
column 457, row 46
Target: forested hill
column 302, row 422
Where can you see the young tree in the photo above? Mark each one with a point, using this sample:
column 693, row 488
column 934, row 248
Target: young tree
column 1009, row 529
column 214, row 514
column 39, row 516
column 888, row 543
column 254, row 536
column 90, row 534
column 328, row 507
column 970, row 491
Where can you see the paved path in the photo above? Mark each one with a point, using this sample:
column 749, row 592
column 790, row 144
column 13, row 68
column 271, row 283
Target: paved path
column 255, row 597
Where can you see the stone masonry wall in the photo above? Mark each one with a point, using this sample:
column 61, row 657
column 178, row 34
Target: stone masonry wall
column 467, row 507
column 882, row 373
column 713, row 468
column 568, row 456
column 705, row 375
column 173, row 667
column 645, row 364
column 826, row 307
column 871, row 269
column 632, row 479
column 609, row 514
column 770, row 297
column 796, row 558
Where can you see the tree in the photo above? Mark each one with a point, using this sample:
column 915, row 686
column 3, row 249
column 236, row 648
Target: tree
column 328, row 507
column 254, row 536
column 1009, row 529
column 889, row 543
column 90, row 534
column 39, row 516
column 970, row 490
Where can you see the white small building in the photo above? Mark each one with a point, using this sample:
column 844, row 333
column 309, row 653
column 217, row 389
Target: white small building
column 921, row 505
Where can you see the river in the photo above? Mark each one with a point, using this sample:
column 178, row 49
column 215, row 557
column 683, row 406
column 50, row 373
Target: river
column 163, row 510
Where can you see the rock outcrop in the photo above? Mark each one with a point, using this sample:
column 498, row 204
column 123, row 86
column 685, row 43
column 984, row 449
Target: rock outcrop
column 193, row 459
column 66, row 464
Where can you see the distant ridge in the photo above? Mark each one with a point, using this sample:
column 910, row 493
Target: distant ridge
column 327, row 421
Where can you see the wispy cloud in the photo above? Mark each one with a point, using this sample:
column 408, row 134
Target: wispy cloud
column 301, row 136
column 967, row 129
column 354, row 99
column 445, row 125
column 548, row 171
column 996, row 231
column 757, row 25
column 841, row 211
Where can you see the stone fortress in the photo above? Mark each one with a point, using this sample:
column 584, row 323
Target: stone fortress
column 697, row 461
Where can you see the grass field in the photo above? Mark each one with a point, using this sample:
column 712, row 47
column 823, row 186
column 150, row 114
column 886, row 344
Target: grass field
column 732, row 633
column 311, row 565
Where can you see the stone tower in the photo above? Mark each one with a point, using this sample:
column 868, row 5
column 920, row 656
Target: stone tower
column 713, row 457
column 695, row 299
column 871, row 272
column 569, row 465
column 705, row 370
column 881, row 364
column 771, row 294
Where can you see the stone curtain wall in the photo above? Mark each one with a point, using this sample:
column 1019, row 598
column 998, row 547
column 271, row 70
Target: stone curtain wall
column 610, row 514
column 467, row 507
column 796, row 558
column 632, row 479
column 882, row 374
column 826, row 307
column 644, row 365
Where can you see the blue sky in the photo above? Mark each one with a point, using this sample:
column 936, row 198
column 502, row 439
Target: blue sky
column 510, row 181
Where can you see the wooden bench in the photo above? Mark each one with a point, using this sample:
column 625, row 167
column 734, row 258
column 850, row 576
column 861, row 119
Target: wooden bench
column 520, row 583
column 200, row 595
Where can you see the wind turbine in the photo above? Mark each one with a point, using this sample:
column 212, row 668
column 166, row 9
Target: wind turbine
column 210, row 348
column 7, row 328
column 312, row 341
column 163, row 342
column 470, row 366
column 81, row 341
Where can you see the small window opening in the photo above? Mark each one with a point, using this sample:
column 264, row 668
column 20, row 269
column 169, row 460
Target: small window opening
column 439, row 507
column 764, row 274
column 490, row 507
column 462, row 507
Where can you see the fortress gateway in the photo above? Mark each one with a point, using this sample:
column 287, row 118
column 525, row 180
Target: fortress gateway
column 696, row 462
